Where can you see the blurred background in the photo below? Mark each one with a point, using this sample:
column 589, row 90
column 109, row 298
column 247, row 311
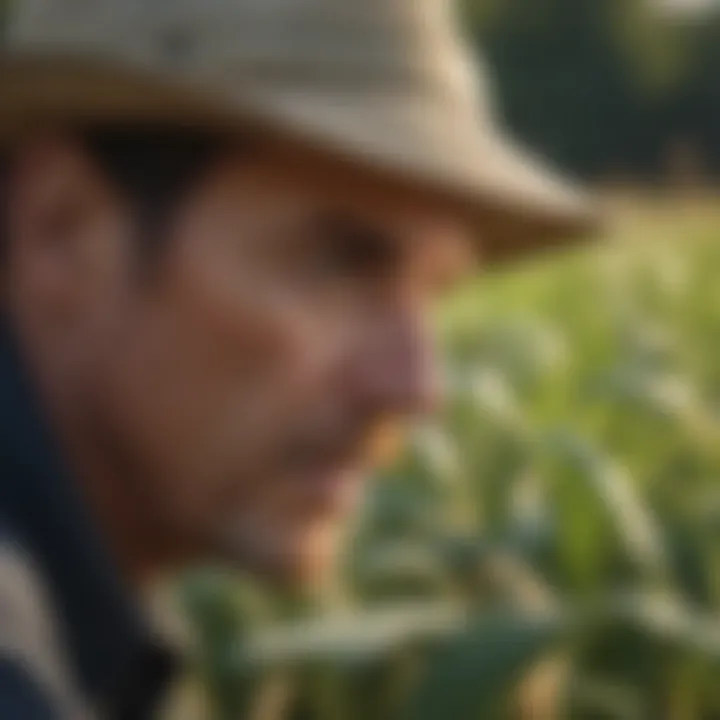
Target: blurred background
column 551, row 548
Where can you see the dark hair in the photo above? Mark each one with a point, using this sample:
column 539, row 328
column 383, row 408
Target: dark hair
column 153, row 168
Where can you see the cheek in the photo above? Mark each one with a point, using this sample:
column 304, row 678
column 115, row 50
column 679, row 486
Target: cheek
column 253, row 339
column 232, row 363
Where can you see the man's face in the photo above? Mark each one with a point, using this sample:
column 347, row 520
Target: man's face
column 246, row 381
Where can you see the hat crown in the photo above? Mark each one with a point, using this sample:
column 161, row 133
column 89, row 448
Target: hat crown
column 404, row 45
column 386, row 84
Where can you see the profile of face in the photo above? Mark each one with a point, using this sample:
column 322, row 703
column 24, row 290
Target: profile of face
column 235, row 387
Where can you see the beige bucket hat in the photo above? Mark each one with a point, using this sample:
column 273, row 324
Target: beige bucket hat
column 385, row 84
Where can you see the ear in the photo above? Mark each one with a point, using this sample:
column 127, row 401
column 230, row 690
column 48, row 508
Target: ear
column 66, row 246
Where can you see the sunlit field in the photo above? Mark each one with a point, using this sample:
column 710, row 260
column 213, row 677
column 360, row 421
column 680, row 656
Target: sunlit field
column 552, row 547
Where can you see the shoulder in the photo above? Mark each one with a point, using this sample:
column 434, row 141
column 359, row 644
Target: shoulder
column 33, row 669
column 21, row 696
column 26, row 614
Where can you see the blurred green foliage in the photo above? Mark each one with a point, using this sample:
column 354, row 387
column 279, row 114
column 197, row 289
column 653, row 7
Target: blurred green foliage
column 606, row 87
column 550, row 547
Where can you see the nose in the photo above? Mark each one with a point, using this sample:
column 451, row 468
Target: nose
column 396, row 370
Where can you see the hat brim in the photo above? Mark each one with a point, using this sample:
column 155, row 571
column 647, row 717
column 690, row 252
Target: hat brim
column 518, row 205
